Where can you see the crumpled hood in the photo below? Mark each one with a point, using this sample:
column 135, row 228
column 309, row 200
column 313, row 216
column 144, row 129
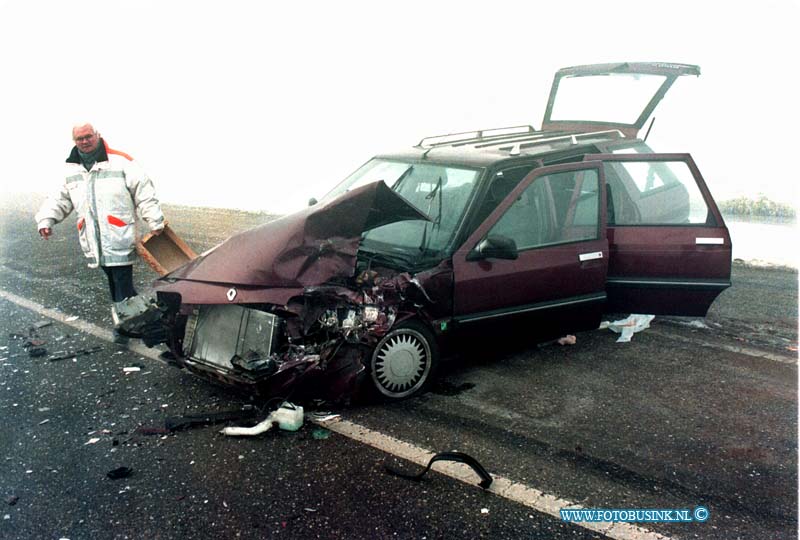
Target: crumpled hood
column 306, row 248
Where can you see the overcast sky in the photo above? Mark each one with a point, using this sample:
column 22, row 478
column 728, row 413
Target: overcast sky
column 260, row 106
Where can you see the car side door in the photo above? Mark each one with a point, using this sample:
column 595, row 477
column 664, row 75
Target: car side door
column 540, row 257
column 670, row 251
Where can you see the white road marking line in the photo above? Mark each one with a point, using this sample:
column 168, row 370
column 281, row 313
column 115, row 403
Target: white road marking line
column 747, row 351
column 78, row 324
column 501, row 486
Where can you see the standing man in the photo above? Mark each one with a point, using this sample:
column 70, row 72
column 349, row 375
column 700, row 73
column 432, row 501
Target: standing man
column 106, row 188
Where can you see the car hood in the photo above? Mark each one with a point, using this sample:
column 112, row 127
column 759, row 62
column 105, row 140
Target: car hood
column 309, row 247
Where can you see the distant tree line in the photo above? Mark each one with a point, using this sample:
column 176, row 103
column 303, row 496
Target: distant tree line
column 761, row 207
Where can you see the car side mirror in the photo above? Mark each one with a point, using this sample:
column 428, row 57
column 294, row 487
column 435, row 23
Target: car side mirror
column 312, row 201
column 494, row 246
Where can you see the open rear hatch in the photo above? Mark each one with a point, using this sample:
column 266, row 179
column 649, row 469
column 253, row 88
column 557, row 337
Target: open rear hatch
column 609, row 96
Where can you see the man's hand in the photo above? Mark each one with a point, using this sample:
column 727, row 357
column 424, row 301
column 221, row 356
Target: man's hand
column 45, row 232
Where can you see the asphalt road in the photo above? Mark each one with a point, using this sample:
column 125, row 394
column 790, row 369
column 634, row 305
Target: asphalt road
column 682, row 416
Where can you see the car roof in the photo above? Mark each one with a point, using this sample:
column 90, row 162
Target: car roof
column 486, row 147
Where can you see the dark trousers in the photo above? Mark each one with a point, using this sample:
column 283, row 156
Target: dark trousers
column 120, row 282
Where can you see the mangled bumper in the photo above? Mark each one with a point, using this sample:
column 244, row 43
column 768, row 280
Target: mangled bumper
column 317, row 344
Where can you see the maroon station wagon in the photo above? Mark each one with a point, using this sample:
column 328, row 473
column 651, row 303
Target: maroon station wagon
column 542, row 230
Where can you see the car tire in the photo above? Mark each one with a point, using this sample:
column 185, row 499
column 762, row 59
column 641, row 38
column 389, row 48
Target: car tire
column 404, row 362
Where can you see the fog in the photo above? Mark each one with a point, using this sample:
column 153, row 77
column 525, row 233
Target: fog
column 260, row 106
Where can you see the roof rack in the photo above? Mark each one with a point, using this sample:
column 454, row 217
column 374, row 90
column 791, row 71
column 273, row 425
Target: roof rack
column 479, row 135
column 541, row 138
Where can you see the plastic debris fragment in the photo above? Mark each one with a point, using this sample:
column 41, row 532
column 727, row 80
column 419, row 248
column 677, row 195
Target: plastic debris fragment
column 288, row 417
column 628, row 326
column 321, row 434
column 569, row 339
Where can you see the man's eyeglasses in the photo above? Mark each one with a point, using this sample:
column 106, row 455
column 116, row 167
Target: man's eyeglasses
column 85, row 138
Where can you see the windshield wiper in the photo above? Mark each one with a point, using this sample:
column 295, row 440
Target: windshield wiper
column 423, row 245
column 393, row 260
column 402, row 177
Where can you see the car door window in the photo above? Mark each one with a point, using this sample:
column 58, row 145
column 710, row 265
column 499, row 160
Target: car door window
column 556, row 208
column 654, row 193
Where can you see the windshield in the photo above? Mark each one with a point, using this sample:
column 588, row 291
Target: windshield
column 439, row 191
column 615, row 97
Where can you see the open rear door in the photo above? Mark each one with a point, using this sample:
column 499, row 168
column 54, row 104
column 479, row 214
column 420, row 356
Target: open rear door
column 670, row 251
column 609, row 96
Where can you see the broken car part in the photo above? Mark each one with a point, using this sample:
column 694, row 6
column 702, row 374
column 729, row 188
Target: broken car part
column 75, row 354
column 459, row 457
column 288, row 417
column 164, row 252
column 173, row 423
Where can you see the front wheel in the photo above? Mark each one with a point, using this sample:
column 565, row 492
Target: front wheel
column 405, row 360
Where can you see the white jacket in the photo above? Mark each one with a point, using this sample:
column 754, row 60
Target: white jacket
column 106, row 199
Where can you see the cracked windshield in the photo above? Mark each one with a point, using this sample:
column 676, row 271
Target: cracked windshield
column 439, row 191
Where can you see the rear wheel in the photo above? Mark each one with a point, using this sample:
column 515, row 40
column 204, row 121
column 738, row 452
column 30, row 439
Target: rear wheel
column 404, row 362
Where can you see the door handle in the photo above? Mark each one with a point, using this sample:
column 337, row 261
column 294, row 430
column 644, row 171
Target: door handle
column 708, row 241
column 590, row 256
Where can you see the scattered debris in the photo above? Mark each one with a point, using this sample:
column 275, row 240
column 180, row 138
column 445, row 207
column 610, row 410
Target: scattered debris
column 569, row 339
column 628, row 326
column 71, row 318
column 93, row 440
column 321, row 434
column 36, row 352
column 75, row 354
column 132, row 369
column 42, row 324
column 174, row 423
column 323, row 416
column 143, row 430
column 460, row 457
column 697, row 323
column 288, row 417
column 119, row 472
column 134, row 315
column 484, row 510
column 46, row 420
column 11, row 500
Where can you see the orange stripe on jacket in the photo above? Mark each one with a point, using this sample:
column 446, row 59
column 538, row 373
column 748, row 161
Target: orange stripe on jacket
column 117, row 152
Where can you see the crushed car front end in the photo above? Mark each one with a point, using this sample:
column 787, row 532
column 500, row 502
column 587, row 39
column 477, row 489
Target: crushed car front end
column 296, row 307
